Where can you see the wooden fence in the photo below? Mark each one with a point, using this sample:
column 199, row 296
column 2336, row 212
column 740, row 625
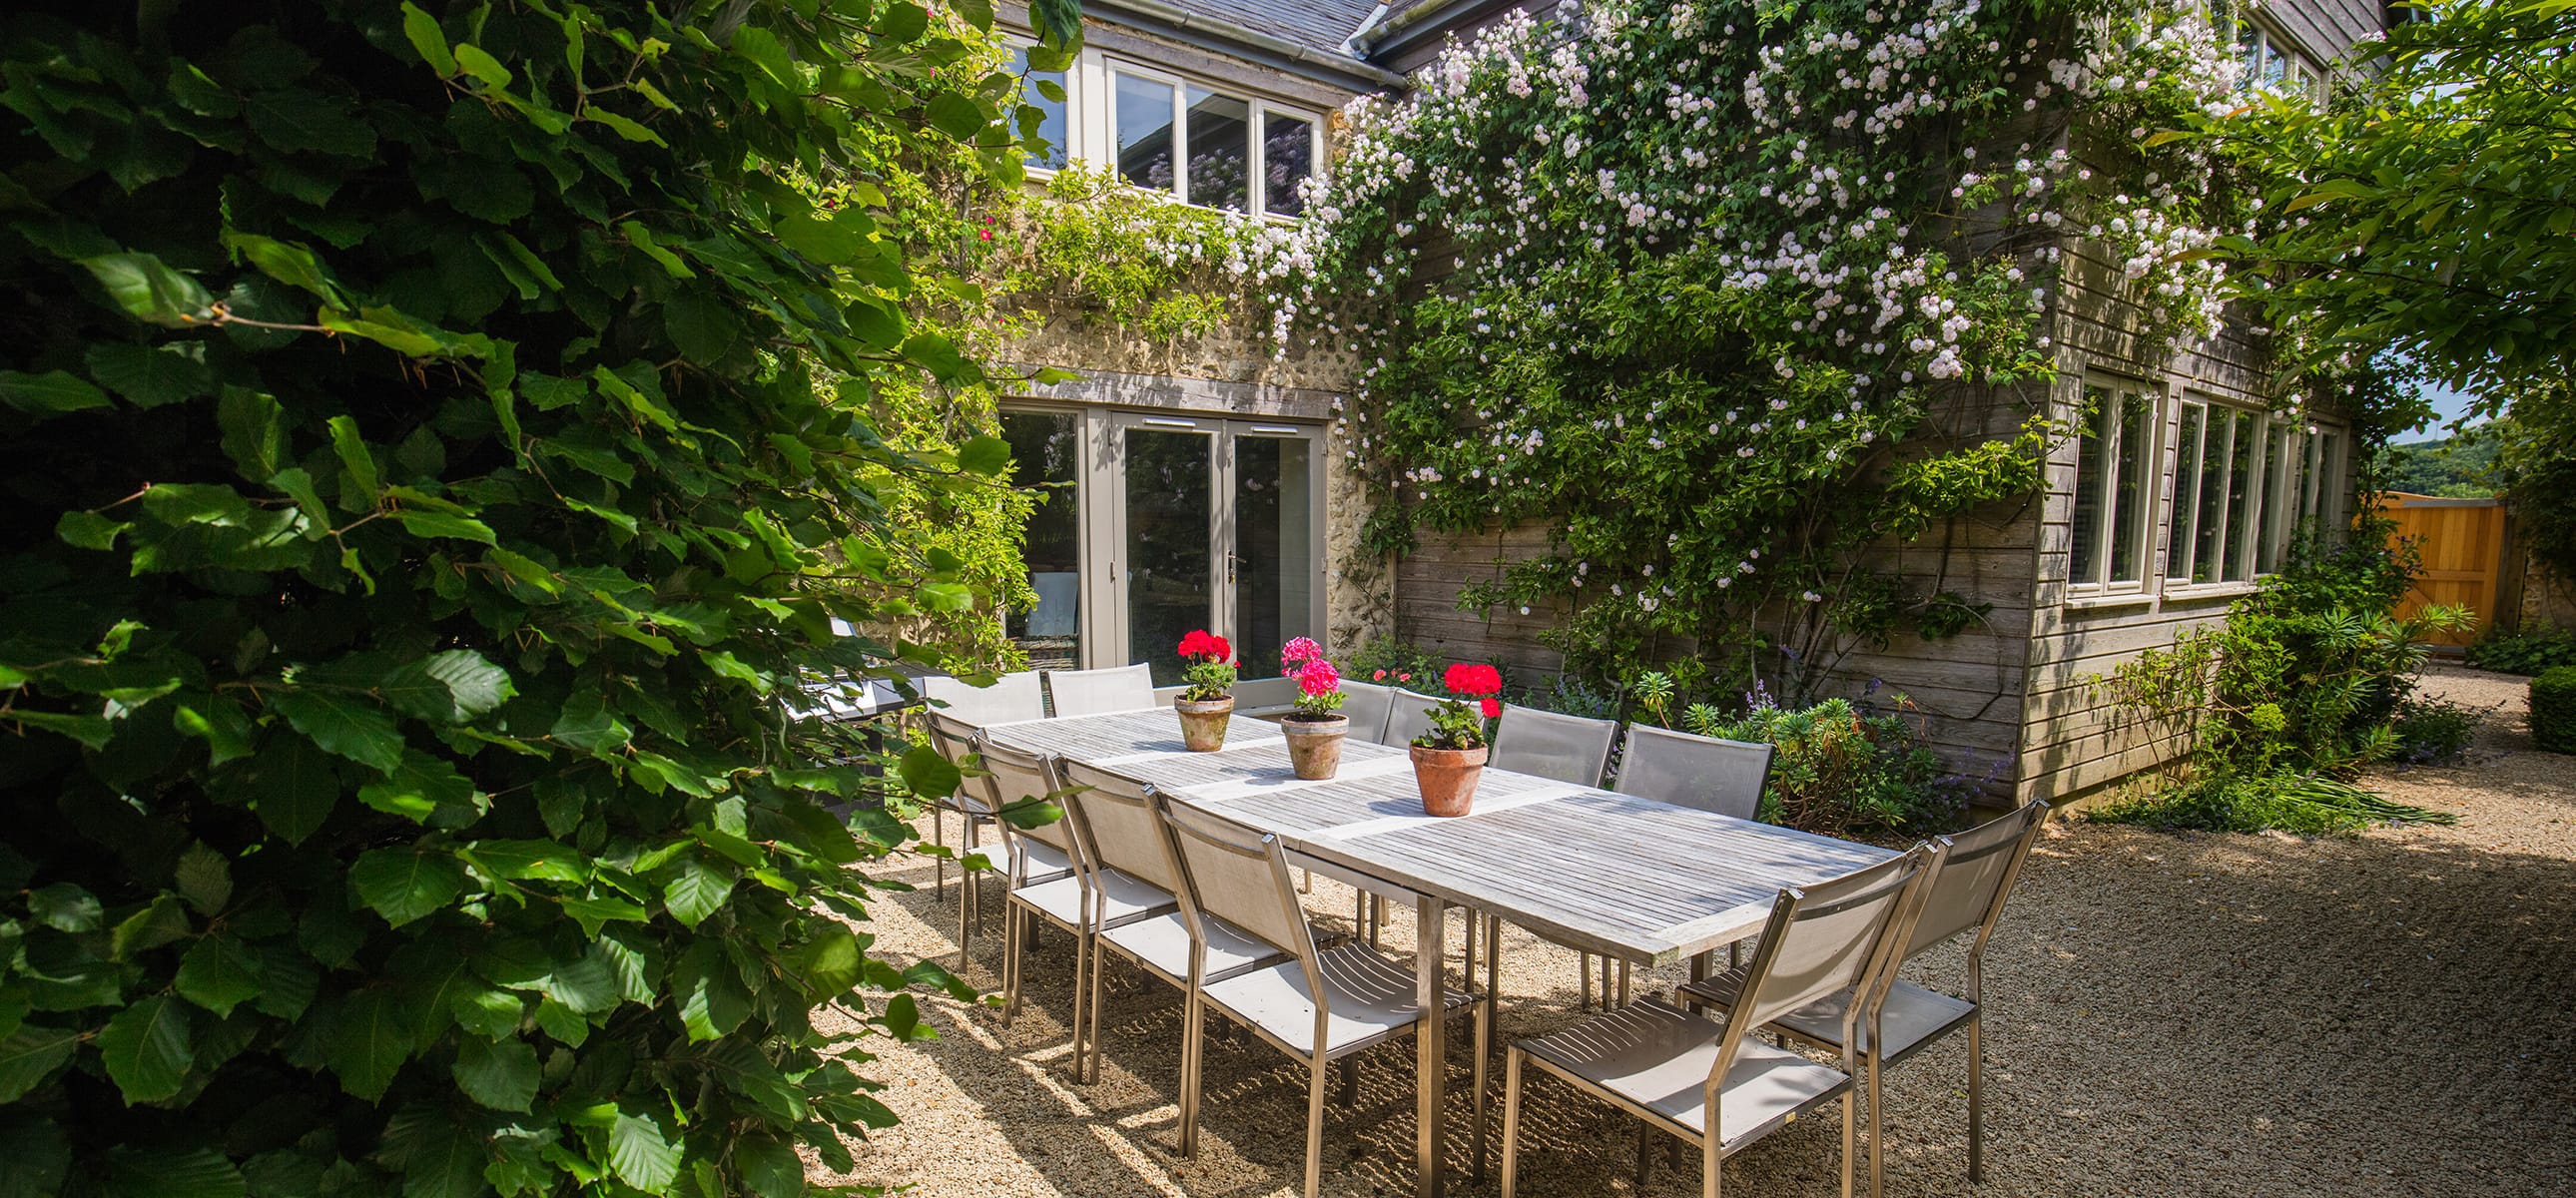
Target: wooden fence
column 2462, row 541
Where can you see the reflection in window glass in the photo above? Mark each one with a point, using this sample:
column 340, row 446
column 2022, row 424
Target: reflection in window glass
column 1052, row 126
column 2129, row 506
column 1220, row 137
column 1274, row 594
column 2181, row 535
column 2210, row 517
column 1145, row 132
column 2240, row 494
column 1287, row 157
column 2089, row 486
column 1045, row 452
column 1170, row 567
column 2277, row 455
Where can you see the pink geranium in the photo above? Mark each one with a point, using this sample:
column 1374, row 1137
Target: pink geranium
column 1297, row 652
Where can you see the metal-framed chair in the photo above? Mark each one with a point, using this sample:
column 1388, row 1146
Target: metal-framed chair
column 1714, row 1084
column 961, row 742
column 1011, row 698
column 1039, row 855
column 1097, row 692
column 1548, row 744
column 1724, row 776
column 1967, row 890
column 1135, row 870
column 1321, row 1007
column 1409, row 716
column 1367, row 705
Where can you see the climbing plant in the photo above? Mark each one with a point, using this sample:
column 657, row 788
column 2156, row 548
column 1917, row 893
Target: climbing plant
column 1720, row 294
column 442, row 443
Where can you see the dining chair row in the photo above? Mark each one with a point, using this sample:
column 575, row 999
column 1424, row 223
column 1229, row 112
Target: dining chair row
column 1026, row 695
column 1202, row 904
column 1824, row 973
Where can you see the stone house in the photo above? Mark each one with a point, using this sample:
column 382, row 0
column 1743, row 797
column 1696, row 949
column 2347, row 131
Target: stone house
column 1209, row 491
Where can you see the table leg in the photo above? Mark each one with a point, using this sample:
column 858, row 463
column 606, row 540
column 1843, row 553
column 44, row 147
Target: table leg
column 1430, row 983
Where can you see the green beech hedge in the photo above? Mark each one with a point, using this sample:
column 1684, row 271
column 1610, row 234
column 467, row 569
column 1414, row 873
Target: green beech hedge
column 2553, row 709
column 417, row 505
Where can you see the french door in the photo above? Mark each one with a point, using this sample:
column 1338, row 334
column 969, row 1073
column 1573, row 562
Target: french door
column 1211, row 523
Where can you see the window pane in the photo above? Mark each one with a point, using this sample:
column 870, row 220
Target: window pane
column 1287, row 157
column 1274, row 590
column 2240, row 493
column 1220, row 133
column 1053, row 127
column 1145, row 132
column 2129, row 504
column 2276, row 62
column 1170, row 567
column 2086, row 567
column 2205, row 555
column 2330, row 481
column 2179, row 539
column 2249, row 50
column 1044, row 454
column 2276, row 477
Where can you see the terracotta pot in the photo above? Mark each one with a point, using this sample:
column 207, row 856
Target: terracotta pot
column 1447, row 778
column 1315, row 746
column 1203, row 723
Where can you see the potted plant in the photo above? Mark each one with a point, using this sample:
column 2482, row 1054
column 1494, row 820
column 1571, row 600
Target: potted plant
column 1316, row 728
column 1449, row 757
column 1209, row 701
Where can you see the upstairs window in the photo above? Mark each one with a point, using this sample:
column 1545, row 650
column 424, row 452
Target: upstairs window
column 1208, row 146
column 2115, row 456
column 2273, row 64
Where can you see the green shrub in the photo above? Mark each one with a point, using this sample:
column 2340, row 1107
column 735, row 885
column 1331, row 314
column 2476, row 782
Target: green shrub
column 1840, row 771
column 2553, row 710
column 1390, row 662
column 2284, row 800
column 2433, row 731
column 420, row 499
column 2524, row 653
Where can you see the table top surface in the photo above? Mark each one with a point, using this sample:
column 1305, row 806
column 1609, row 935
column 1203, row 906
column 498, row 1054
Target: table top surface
column 1607, row 873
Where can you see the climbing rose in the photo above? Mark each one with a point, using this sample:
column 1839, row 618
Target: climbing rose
column 1318, row 677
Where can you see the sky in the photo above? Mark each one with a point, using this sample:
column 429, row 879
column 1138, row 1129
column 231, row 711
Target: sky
column 2447, row 406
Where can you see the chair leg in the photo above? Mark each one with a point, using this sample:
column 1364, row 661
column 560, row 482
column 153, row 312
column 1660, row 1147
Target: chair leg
column 1976, row 1101
column 1315, row 1126
column 1193, row 1019
column 1623, row 983
column 1011, row 949
column 938, row 865
column 1377, row 918
column 1484, row 1072
column 1877, row 1132
column 1849, row 1146
column 1346, row 1078
column 1082, row 967
column 1583, row 967
column 1099, row 966
column 966, row 894
column 1645, row 1154
column 1511, row 1121
column 1711, row 1167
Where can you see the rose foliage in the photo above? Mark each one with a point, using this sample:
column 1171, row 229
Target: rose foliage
column 422, row 511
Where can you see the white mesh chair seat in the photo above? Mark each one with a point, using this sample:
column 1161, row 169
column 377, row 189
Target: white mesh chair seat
column 1040, row 861
column 1913, row 1017
column 1657, row 1056
column 1367, row 706
column 1098, row 692
column 1011, row 698
column 1546, row 744
column 1161, row 943
column 1368, row 998
column 1121, row 897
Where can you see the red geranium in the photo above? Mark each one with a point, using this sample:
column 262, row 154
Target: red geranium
column 1493, row 708
column 1473, row 680
column 1202, row 645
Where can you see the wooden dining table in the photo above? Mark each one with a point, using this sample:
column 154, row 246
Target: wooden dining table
column 1615, row 875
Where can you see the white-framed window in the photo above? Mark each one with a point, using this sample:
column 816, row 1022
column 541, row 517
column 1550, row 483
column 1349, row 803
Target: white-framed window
column 2115, row 470
column 1051, row 92
column 1208, row 145
column 2245, row 482
column 1203, row 141
column 2273, row 63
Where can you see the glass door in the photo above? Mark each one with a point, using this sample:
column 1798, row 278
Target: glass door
column 1217, row 524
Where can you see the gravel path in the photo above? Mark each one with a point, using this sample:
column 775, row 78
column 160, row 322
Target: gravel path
column 2390, row 1013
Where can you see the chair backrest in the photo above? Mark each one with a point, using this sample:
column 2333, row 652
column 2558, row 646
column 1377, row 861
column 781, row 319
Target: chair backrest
column 1724, row 776
column 1568, row 748
column 1011, row 775
column 1093, row 692
column 1367, row 705
column 1976, row 876
column 1830, row 936
column 1115, row 817
column 1233, row 873
column 1408, row 716
column 1011, row 698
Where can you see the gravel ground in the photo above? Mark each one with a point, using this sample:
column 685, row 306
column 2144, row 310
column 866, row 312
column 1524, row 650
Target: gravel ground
column 2389, row 1013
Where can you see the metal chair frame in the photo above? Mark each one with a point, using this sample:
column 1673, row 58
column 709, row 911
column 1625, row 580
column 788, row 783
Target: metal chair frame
column 1214, row 832
column 1875, row 972
column 2029, row 820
